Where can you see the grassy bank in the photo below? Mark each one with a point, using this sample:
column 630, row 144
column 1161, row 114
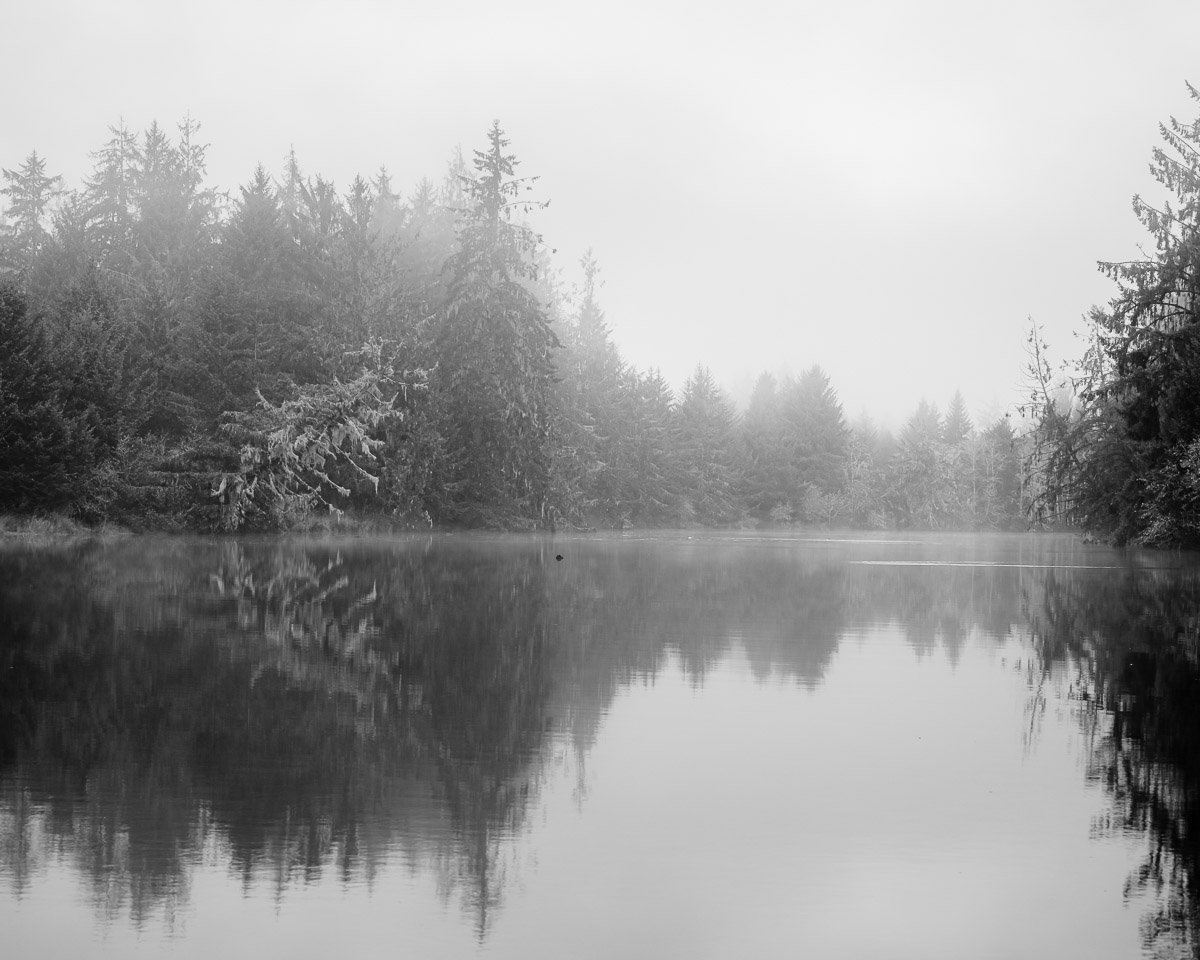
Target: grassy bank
column 53, row 525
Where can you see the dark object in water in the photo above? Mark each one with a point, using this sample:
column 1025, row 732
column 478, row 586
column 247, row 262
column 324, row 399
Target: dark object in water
column 558, row 556
column 1139, row 671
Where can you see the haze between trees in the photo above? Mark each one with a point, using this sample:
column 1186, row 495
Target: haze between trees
column 175, row 356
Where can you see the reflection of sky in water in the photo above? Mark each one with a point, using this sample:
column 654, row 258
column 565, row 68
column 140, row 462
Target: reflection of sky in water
column 898, row 809
column 761, row 747
column 759, row 819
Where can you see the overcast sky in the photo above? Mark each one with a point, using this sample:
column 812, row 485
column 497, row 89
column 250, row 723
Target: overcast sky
column 888, row 189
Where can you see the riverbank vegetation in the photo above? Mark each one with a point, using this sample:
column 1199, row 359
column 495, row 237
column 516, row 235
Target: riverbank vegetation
column 173, row 356
column 1115, row 443
column 38, row 528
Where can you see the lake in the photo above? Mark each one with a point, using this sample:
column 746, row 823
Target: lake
column 596, row 747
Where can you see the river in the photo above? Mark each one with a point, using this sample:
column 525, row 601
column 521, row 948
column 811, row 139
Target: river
column 633, row 746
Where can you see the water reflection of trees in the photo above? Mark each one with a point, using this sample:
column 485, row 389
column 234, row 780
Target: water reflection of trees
column 309, row 710
column 301, row 708
column 1130, row 641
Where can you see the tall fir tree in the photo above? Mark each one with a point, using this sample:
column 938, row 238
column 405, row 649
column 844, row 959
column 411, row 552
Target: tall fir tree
column 494, row 348
column 109, row 194
column 960, row 450
column 47, row 452
column 920, row 473
column 766, row 477
column 704, row 438
column 998, row 503
column 593, row 435
column 30, row 191
column 956, row 425
column 650, row 499
column 816, row 434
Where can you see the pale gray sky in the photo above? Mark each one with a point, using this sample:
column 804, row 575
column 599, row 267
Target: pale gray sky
column 888, row 189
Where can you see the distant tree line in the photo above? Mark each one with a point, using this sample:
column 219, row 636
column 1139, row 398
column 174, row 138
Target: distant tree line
column 173, row 356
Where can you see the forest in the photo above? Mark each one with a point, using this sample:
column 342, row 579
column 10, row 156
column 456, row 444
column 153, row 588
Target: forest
column 174, row 356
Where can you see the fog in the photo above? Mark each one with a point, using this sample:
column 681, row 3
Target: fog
column 892, row 191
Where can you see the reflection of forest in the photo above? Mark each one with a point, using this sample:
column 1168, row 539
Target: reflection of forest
column 314, row 706
column 1133, row 646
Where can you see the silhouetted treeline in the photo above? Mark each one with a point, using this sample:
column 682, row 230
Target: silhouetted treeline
column 172, row 355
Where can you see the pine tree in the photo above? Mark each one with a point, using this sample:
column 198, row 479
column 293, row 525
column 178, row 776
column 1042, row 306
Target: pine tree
column 29, row 190
column 703, row 438
column 960, row 450
column 593, row 433
column 46, row 455
column 766, row 477
column 253, row 328
column 956, row 427
column 998, row 494
column 920, row 474
column 650, row 499
column 494, row 351
column 816, row 434
column 110, row 197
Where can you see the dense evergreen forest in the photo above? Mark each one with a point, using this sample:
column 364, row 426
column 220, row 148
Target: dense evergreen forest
column 173, row 356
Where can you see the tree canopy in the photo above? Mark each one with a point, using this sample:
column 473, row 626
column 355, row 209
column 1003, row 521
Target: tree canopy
column 177, row 355
column 1119, row 453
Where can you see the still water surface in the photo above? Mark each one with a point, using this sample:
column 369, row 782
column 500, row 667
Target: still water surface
column 713, row 746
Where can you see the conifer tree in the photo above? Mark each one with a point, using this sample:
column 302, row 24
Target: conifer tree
column 920, row 473
column 767, row 483
column 29, row 190
column 593, row 432
column 650, row 499
column 1122, row 460
column 956, row 427
column 998, row 493
column 703, row 438
column 45, row 453
column 109, row 195
column 960, row 451
column 816, row 433
column 494, row 349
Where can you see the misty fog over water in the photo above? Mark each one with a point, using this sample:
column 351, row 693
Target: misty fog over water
column 700, row 745
column 477, row 481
